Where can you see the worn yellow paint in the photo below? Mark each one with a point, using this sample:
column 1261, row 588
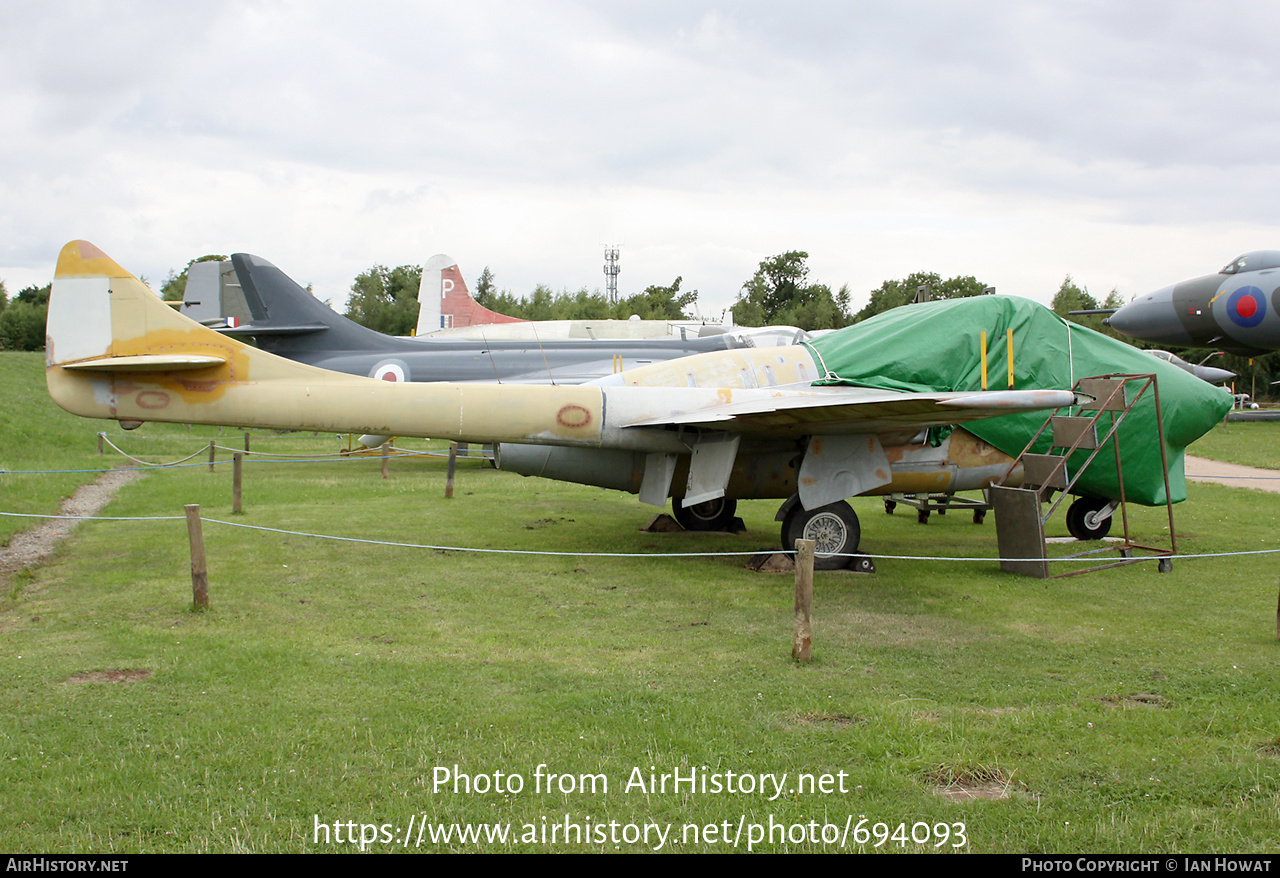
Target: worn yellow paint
column 738, row 368
column 1010, row 337
column 82, row 259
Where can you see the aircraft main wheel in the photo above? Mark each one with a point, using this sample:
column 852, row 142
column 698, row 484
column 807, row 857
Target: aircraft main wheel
column 833, row 528
column 1081, row 522
column 711, row 515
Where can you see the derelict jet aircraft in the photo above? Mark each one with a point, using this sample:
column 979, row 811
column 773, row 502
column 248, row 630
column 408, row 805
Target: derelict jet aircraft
column 259, row 300
column 785, row 423
column 1237, row 309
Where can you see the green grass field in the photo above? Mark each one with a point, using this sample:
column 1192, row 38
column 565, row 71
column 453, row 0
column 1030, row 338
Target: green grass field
column 1246, row 443
column 338, row 682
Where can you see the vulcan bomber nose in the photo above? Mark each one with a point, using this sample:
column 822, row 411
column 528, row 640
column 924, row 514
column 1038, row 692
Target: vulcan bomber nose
column 1152, row 317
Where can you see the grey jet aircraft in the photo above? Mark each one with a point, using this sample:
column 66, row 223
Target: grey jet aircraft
column 259, row 300
column 1237, row 309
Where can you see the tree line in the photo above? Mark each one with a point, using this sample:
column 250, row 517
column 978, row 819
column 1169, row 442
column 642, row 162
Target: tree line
column 386, row 299
column 22, row 319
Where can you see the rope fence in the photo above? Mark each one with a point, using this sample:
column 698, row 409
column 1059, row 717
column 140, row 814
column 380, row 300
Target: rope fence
column 582, row 554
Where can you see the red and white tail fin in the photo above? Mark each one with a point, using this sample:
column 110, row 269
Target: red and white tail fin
column 445, row 303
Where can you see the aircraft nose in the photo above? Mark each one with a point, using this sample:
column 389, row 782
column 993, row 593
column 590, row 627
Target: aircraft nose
column 1152, row 317
column 1213, row 375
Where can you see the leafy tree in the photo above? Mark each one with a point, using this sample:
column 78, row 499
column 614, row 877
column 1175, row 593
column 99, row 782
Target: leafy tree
column 893, row 293
column 780, row 292
column 175, row 286
column 386, row 299
column 22, row 321
column 486, row 289
column 657, row 303
column 35, row 295
column 1071, row 297
column 22, row 327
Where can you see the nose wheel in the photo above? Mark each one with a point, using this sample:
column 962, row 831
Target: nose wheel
column 1089, row 518
column 711, row 515
column 834, row 530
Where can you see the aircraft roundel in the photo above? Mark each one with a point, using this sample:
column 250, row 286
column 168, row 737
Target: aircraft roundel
column 388, row 372
column 1247, row 306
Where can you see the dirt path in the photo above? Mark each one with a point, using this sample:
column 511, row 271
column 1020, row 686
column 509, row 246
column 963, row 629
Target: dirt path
column 1200, row 469
column 30, row 547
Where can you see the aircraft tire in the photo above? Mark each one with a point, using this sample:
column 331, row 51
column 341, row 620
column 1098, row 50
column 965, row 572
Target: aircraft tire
column 833, row 528
column 1078, row 519
column 712, row 515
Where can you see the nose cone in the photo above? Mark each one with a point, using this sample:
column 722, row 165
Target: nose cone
column 1152, row 317
column 1212, row 374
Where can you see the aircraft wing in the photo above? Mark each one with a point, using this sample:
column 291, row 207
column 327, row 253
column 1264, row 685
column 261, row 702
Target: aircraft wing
column 843, row 410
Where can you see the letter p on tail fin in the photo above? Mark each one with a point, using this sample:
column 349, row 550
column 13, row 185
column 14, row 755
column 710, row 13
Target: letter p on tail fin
column 444, row 302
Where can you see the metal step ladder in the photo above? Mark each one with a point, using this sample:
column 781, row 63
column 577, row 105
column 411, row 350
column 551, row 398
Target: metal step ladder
column 1019, row 511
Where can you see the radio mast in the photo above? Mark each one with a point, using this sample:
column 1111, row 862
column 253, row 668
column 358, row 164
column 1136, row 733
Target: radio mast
column 611, row 270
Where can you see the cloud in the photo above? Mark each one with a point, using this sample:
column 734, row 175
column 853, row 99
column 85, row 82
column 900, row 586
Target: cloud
column 1129, row 143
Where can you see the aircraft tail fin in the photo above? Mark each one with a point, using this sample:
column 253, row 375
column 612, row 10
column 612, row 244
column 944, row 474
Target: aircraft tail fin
column 113, row 349
column 247, row 296
column 445, row 302
column 288, row 318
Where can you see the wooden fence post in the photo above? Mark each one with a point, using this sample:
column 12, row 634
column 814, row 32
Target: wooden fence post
column 802, row 639
column 453, row 466
column 237, row 460
column 199, row 571
column 386, row 458
column 101, row 436
column 211, row 454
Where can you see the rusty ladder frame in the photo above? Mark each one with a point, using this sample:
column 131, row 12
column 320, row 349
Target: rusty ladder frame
column 1050, row 471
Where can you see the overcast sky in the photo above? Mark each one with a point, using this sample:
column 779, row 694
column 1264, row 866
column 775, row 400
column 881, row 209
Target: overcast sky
column 1129, row 144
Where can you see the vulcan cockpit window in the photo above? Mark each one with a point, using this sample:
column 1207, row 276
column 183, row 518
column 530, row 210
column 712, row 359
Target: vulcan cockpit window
column 1255, row 261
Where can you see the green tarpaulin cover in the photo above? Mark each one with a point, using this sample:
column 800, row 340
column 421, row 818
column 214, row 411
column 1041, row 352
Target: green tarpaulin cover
column 936, row 346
